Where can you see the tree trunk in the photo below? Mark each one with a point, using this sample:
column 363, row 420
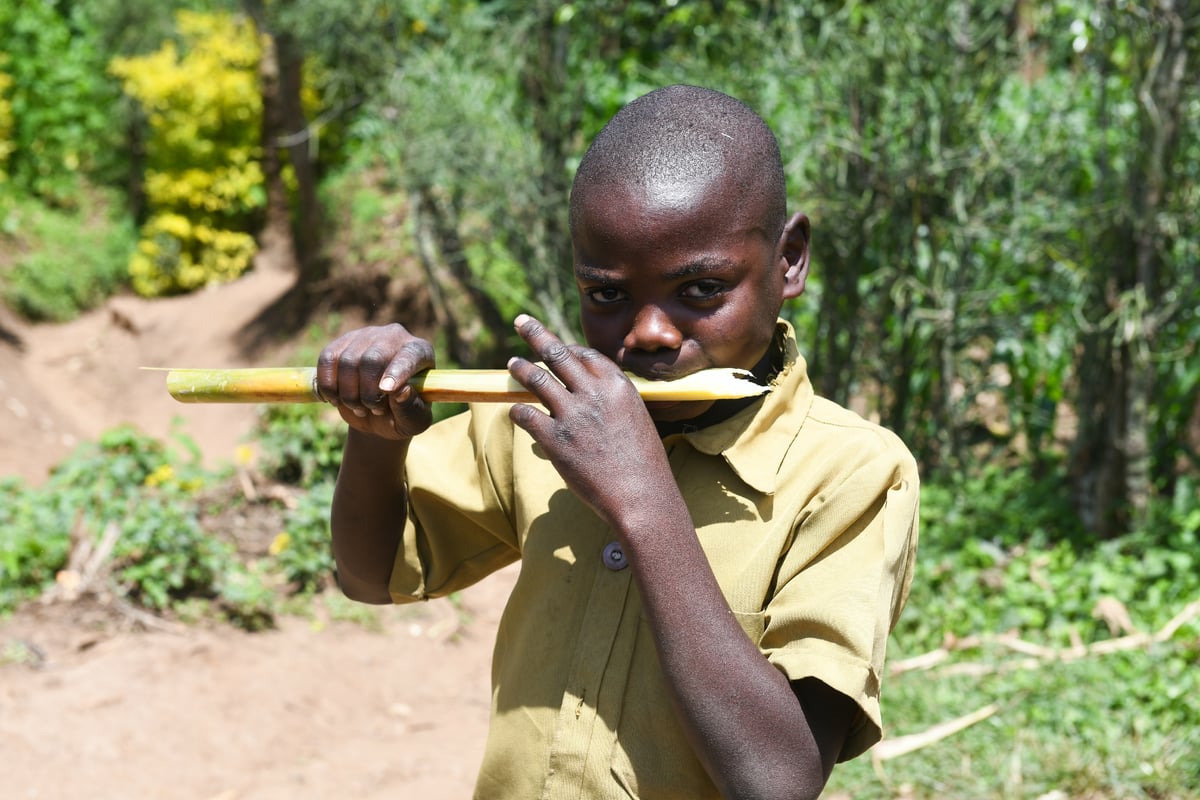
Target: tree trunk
column 275, row 240
column 556, row 107
column 300, row 142
column 287, row 139
column 1110, row 461
column 471, row 324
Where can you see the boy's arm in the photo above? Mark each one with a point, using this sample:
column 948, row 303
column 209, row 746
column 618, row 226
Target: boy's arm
column 369, row 499
column 365, row 374
column 756, row 733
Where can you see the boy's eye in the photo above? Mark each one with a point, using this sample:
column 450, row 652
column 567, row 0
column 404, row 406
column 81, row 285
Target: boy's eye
column 703, row 290
column 605, row 294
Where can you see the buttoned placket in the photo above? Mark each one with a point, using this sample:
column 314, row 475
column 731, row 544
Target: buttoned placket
column 583, row 739
column 581, row 751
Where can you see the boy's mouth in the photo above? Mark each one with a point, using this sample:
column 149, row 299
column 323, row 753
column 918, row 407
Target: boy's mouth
column 659, row 372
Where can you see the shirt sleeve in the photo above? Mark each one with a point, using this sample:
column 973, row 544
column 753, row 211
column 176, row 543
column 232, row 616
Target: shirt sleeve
column 458, row 529
column 838, row 599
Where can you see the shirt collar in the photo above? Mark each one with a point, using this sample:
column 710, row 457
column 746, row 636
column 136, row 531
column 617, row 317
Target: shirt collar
column 755, row 440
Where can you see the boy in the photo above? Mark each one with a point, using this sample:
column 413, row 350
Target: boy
column 706, row 588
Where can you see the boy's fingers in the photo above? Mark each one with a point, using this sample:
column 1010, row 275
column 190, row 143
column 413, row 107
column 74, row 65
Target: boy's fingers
column 542, row 384
column 415, row 355
column 327, row 370
column 549, row 348
column 410, row 413
column 372, row 363
column 529, row 419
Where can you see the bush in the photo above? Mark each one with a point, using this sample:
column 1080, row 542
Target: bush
column 62, row 121
column 204, row 182
column 1003, row 552
column 6, row 120
column 147, row 490
column 301, row 444
column 1000, row 554
column 176, row 256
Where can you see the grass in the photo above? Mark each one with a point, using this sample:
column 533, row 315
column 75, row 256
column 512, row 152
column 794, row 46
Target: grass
column 1121, row 725
column 61, row 262
column 1125, row 725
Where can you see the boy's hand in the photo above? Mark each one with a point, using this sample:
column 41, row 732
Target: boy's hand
column 598, row 434
column 365, row 373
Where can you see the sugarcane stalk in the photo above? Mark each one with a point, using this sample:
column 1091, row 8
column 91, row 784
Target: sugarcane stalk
column 299, row 385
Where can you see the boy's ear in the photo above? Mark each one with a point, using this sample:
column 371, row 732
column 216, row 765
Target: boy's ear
column 793, row 249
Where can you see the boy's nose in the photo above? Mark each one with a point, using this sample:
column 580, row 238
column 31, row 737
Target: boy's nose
column 653, row 330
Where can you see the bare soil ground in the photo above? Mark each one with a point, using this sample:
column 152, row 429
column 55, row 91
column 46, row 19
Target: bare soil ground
column 94, row 705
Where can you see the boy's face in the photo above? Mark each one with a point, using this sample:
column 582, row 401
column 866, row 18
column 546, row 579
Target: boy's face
column 677, row 279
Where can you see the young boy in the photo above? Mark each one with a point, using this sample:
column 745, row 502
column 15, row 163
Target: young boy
column 706, row 588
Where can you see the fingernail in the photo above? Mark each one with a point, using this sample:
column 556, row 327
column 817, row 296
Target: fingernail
column 358, row 412
column 521, row 320
column 404, row 394
column 387, row 384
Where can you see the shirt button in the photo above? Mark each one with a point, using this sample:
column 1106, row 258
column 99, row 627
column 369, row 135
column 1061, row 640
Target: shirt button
column 614, row 556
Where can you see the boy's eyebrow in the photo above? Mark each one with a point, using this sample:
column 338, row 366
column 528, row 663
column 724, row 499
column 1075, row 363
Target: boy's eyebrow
column 701, row 266
column 594, row 274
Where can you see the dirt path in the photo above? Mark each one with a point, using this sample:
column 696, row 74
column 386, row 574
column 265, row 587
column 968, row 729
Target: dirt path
column 314, row 710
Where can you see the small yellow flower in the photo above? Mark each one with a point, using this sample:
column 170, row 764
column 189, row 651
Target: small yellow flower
column 159, row 476
column 279, row 543
column 243, row 455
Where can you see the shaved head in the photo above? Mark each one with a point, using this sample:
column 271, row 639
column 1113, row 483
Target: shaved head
column 680, row 140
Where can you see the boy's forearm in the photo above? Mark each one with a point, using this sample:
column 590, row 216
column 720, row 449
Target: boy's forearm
column 741, row 714
column 367, row 520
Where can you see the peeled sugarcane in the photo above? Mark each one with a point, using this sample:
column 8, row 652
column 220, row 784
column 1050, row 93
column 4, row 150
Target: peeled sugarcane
column 299, row 385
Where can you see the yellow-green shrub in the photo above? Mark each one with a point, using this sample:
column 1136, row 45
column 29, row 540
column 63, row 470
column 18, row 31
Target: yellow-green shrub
column 161, row 265
column 204, row 181
column 6, row 121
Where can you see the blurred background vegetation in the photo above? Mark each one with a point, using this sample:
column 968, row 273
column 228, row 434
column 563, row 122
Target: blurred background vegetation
column 1005, row 197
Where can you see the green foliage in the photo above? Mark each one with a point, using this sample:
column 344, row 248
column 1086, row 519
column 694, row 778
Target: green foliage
column 1124, row 725
column 62, row 107
column 1003, row 552
column 301, row 444
column 28, row 563
column 999, row 556
column 146, row 490
column 204, row 181
column 62, row 261
column 302, row 552
column 6, row 121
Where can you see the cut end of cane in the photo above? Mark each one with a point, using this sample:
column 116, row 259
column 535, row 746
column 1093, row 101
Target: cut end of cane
column 709, row 384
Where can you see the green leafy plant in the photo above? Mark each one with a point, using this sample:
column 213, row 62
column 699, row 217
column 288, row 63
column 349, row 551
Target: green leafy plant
column 62, row 107
column 301, row 444
column 146, row 489
column 302, row 551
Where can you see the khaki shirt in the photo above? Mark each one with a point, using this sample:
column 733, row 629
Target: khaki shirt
column 808, row 516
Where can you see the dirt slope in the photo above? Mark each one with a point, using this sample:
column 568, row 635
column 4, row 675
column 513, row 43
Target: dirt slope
column 74, row 381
